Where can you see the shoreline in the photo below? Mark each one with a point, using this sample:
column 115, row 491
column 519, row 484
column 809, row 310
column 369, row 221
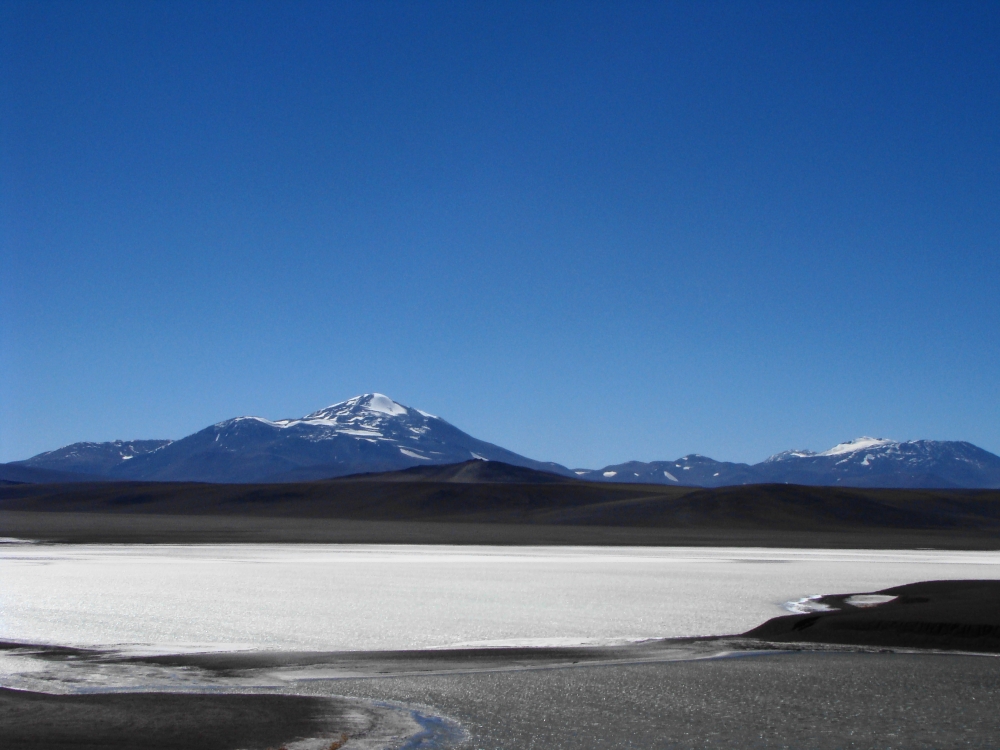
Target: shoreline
column 947, row 616
column 886, row 699
column 921, row 644
column 436, row 698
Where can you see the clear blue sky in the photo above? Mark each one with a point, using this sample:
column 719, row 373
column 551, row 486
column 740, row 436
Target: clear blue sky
column 589, row 232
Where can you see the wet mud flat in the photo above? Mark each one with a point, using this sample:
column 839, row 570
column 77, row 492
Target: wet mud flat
column 696, row 694
column 207, row 721
column 778, row 700
column 77, row 516
column 158, row 720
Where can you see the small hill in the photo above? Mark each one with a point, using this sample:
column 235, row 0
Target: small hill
column 489, row 492
column 476, row 471
column 15, row 473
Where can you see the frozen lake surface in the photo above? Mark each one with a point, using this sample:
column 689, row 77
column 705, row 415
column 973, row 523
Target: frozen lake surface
column 172, row 598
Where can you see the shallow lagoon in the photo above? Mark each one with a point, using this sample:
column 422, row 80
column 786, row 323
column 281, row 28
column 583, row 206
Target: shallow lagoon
column 166, row 598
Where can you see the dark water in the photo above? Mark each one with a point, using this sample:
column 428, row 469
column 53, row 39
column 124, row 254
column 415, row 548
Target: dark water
column 438, row 733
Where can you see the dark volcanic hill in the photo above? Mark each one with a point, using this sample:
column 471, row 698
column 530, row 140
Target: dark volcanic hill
column 952, row 615
column 491, row 493
column 476, row 471
column 20, row 474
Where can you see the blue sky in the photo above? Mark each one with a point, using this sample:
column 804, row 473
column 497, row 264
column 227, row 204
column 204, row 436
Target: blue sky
column 589, row 232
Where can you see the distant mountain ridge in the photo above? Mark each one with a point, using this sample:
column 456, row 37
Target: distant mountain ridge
column 372, row 433
column 93, row 458
column 691, row 470
column 872, row 462
column 862, row 462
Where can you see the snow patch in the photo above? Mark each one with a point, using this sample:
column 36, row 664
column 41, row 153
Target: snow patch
column 361, row 433
column 789, row 454
column 411, row 454
column 670, row 476
column 610, row 473
column 858, row 444
column 477, row 456
column 245, row 419
column 385, row 405
column 807, row 605
column 868, row 600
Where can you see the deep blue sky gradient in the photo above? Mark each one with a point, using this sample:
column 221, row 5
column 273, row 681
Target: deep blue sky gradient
column 587, row 232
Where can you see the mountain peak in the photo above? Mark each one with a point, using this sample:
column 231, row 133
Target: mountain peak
column 840, row 449
column 858, row 444
column 383, row 404
column 365, row 404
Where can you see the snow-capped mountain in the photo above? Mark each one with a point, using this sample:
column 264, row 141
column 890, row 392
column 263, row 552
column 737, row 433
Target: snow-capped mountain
column 877, row 462
column 862, row 462
column 363, row 434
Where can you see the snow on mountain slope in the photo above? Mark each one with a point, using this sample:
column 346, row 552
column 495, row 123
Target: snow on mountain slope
column 858, row 444
column 841, row 449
